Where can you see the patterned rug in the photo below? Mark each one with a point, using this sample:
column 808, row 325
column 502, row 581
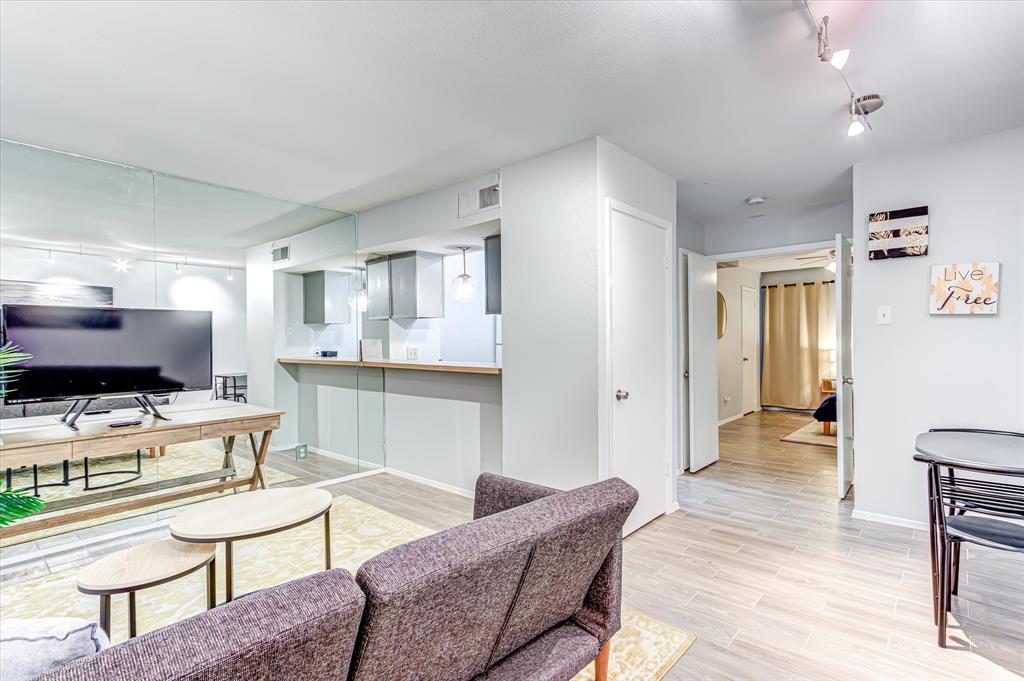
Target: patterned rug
column 643, row 650
column 180, row 461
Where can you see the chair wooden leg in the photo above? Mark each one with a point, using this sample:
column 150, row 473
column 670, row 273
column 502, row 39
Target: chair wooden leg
column 945, row 559
column 826, row 427
column 152, row 452
column 601, row 663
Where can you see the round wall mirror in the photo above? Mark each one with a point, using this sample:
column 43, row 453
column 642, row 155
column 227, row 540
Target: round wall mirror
column 723, row 315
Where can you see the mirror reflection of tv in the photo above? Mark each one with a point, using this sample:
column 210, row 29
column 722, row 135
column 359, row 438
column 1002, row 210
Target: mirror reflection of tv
column 88, row 352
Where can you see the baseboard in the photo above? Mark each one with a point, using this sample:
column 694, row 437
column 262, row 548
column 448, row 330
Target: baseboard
column 338, row 457
column 431, row 483
column 889, row 519
column 347, row 478
column 737, row 417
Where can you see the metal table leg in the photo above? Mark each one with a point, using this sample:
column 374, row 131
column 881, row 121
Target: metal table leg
column 105, row 614
column 327, row 540
column 132, row 629
column 228, row 587
column 211, row 584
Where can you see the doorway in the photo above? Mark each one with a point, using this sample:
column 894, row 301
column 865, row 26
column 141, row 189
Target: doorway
column 782, row 351
column 640, row 342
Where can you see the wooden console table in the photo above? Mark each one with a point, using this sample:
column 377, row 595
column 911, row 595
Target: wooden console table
column 40, row 440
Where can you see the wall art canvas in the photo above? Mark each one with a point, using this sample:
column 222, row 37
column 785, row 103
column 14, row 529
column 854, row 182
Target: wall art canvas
column 48, row 293
column 898, row 233
column 965, row 288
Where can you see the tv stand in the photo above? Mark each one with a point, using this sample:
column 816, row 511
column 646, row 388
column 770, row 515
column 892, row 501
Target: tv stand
column 149, row 408
column 78, row 408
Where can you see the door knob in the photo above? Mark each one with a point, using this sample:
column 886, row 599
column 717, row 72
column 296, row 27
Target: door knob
column 621, row 395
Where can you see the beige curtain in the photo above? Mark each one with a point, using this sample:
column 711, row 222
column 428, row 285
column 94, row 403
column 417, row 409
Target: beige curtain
column 797, row 341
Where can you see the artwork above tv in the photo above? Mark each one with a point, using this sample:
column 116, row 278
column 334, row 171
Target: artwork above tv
column 89, row 352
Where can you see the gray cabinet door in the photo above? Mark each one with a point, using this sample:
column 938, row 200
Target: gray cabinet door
column 403, row 286
column 492, row 274
column 378, row 289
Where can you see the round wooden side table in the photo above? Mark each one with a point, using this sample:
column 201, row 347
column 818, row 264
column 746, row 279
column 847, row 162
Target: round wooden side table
column 144, row 566
column 253, row 514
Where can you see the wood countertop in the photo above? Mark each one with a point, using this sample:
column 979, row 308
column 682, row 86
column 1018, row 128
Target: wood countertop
column 448, row 367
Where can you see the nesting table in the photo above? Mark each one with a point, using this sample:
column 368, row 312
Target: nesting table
column 253, row 514
column 143, row 566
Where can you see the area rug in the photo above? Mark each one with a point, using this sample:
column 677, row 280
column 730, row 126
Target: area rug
column 643, row 650
column 811, row 434
column 180, row 461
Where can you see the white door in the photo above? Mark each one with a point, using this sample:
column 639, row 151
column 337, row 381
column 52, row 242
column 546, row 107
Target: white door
column 844, row 366
column 640, row 376
column 683, row 397
column 703, row 347
column 748, row 347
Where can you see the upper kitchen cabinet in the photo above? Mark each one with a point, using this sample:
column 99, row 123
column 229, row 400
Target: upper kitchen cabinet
column 405, row 286
column 325, row 297
column 378, row 289
column 417, row 285
column 492, row 274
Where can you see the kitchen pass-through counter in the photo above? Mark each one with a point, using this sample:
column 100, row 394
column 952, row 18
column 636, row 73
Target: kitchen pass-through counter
column 485, row 368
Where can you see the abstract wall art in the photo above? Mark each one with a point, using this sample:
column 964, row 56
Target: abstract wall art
column 898, row 233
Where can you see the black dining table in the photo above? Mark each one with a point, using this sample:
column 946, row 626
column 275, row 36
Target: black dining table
column 984, row 451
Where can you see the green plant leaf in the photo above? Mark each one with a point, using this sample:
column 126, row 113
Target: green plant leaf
column 17, row 505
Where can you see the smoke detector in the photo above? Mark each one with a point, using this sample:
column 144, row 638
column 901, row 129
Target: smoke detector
column 755, row 200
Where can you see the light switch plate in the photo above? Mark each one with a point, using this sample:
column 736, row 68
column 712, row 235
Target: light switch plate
column 412, row 352
column 883, row 314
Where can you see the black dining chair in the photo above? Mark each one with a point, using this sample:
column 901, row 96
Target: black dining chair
column 989, row 502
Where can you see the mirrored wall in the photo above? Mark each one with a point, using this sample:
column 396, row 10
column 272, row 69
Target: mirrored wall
column 83, row 233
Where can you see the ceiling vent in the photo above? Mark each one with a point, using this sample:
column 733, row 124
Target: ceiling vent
column 281, row 254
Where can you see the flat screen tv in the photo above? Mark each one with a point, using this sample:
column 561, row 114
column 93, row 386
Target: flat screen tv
column 86, row 352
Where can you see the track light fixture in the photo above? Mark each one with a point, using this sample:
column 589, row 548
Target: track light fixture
column 825, row 53
column 860, row 107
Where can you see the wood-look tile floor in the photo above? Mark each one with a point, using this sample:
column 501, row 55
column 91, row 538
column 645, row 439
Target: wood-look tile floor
column 777, row 581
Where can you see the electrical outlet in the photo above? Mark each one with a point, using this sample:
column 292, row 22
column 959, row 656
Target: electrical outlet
column 316, row 352
column 301, row 452
column 412, row 352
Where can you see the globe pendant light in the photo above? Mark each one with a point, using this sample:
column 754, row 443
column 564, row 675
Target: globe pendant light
column 464, row 286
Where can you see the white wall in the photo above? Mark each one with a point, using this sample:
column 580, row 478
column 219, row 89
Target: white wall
column 151, row 285
column 690, row 234
column 819, row 223
column 549, row 317
column 926, row 371
column 731, row 281
column 552, row 212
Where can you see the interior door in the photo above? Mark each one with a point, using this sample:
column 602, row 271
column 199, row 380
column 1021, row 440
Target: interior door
column 703, row 348
column 683, row 397
column 844, row 365
column 640, row 372
column 748, row 347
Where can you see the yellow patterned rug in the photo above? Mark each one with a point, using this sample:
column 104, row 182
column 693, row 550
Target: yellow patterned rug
column 643, row 650
column 180, row 461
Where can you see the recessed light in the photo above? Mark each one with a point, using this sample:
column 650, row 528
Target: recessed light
column 755, row 200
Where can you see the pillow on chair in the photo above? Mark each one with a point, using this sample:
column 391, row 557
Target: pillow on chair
column 30, row 647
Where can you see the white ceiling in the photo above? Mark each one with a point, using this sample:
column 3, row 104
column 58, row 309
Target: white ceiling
column 350, row 105
column 790, row 261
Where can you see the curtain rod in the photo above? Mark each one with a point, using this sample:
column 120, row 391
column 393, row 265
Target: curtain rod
column 830, row 281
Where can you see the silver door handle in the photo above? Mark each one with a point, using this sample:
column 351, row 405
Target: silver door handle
column 621, row 394
column 847, row 380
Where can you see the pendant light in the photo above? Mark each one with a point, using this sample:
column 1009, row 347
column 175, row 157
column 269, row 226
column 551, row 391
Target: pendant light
column 359, row 299
column 464, row 286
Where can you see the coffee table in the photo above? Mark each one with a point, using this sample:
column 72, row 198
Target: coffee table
column 253, row 514
column 141, row 567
